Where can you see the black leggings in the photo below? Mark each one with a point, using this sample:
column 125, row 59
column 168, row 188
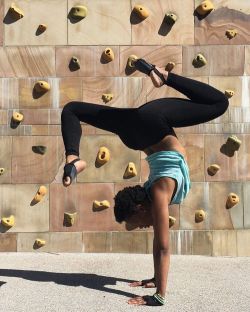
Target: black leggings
column 138, row 128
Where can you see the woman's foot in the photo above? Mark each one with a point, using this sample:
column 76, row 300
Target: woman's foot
column 80, row 165
column 157, row 81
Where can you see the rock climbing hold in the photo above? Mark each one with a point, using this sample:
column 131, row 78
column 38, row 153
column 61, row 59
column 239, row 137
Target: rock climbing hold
column 41, row 28
column 15, row 12
column 170, row 66
column 103, row 155
column 199, row 215
column 42, row 86
column 74, row 63
column 131, row 60
column 130, row 171
column 69, row 218
column 232, row 200
column 40, row 242
column 78, row 12
column 108, row 55
column 17, row 117
column 229, row 93
column 212, row 169
column 141, row 11
column 40, row 193
column 9, row 221
column 233, row 142
column 170, row 18
column 231, row 33
column 107, row 97
column 101, row 205
column 39, row 149
column 205, row 7
column 199, row 60
column 172, row 221
column 2, row 171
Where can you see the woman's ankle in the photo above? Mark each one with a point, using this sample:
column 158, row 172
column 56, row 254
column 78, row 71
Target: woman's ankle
column 70, row 158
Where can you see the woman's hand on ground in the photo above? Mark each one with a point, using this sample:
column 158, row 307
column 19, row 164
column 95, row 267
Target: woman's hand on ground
column 143, row 300
column 148, row 283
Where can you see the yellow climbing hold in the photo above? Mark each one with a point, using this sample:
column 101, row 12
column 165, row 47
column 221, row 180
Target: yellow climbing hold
column 78, row 12
column 40, row 242
column 2, row 170
column 18, row 117
column 107, row 97
column 229, row 93
column 131, row 60
column 199, row 215
column 103, row 155
column 233, row 142
column 100, row 205
column 108, row 55
column 232, row 200
column 141, row 11
column 9, row 221
column 170, row 18
column 231, row 33
column 213, row 169
column 170, row 66
column 40, row 193
column 130, row 171
column 69, row 218
column 42, row 86
column 15, row 12
column 171, row 220
column 205, row 7
column 199, row 60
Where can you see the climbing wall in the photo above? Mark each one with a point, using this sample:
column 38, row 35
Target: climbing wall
column 56, row 51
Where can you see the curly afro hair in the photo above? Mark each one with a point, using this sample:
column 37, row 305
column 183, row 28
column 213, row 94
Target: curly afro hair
column 126, row 201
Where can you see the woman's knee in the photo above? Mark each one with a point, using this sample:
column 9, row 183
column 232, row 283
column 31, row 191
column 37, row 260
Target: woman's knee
column 70, row 105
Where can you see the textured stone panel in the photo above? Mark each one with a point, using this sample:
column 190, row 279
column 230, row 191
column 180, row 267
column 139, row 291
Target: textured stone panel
column 229, row 83
column 181, row 242
column 246, row 193
column 17, row 200
column 211, row 30
column 247, row 60
column 224, row 243
column 29, row 167
column 243, row 247
column 27, row 61
column 52, row 13
column 159, row 55
column 114, row 169
column 233, row 55
column 202, row 243
column 1, row 25
column 79, row 198
column 153, row 29
column 132, row 242
column 97, row 241
column 104, row 24
column 127, row 92
column 8, row 242
column 220, row 217
column 33, row 116
column 26, row 242
column 46, row 130
column 5, row 158
column 194, row 145
column 3, row 117
column 20, row 130
column 8, row 93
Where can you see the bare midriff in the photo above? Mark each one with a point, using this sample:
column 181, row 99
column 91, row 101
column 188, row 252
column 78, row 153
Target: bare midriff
column 168, row 143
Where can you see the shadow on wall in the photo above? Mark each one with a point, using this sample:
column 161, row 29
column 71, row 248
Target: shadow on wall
column 92, row 281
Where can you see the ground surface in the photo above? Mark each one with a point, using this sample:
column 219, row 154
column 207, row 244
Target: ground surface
column 98, row 282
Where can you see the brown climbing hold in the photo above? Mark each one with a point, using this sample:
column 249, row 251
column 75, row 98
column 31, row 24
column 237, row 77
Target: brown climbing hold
column 15, row 12
column 103, row 155
column 231, row 33
column 40, row 242
column 233, row 142
column 229, row 93
column 199, row 215
column 131, row 60
column 41, row 28
column 141, row 11
column 232, row 200
column 107, row 97
column 199, row 60
column 130, row 171
column 78, row 12
column 205, row 7
column 108, row 55
column 74, row 62
column 18, row 117
column 2, row 171
column 40, row 193
column 170, row 18
column 172, row 221
column 100, row 205
column 39, row 149
column 170, row 66
column 213, row 169
column 69, row 218
column 42, row 86
column 9, row 221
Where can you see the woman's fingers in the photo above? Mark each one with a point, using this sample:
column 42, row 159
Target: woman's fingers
column 135, row 284
column 150, row 285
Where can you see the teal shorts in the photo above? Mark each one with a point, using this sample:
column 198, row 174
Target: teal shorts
column 170, row 164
